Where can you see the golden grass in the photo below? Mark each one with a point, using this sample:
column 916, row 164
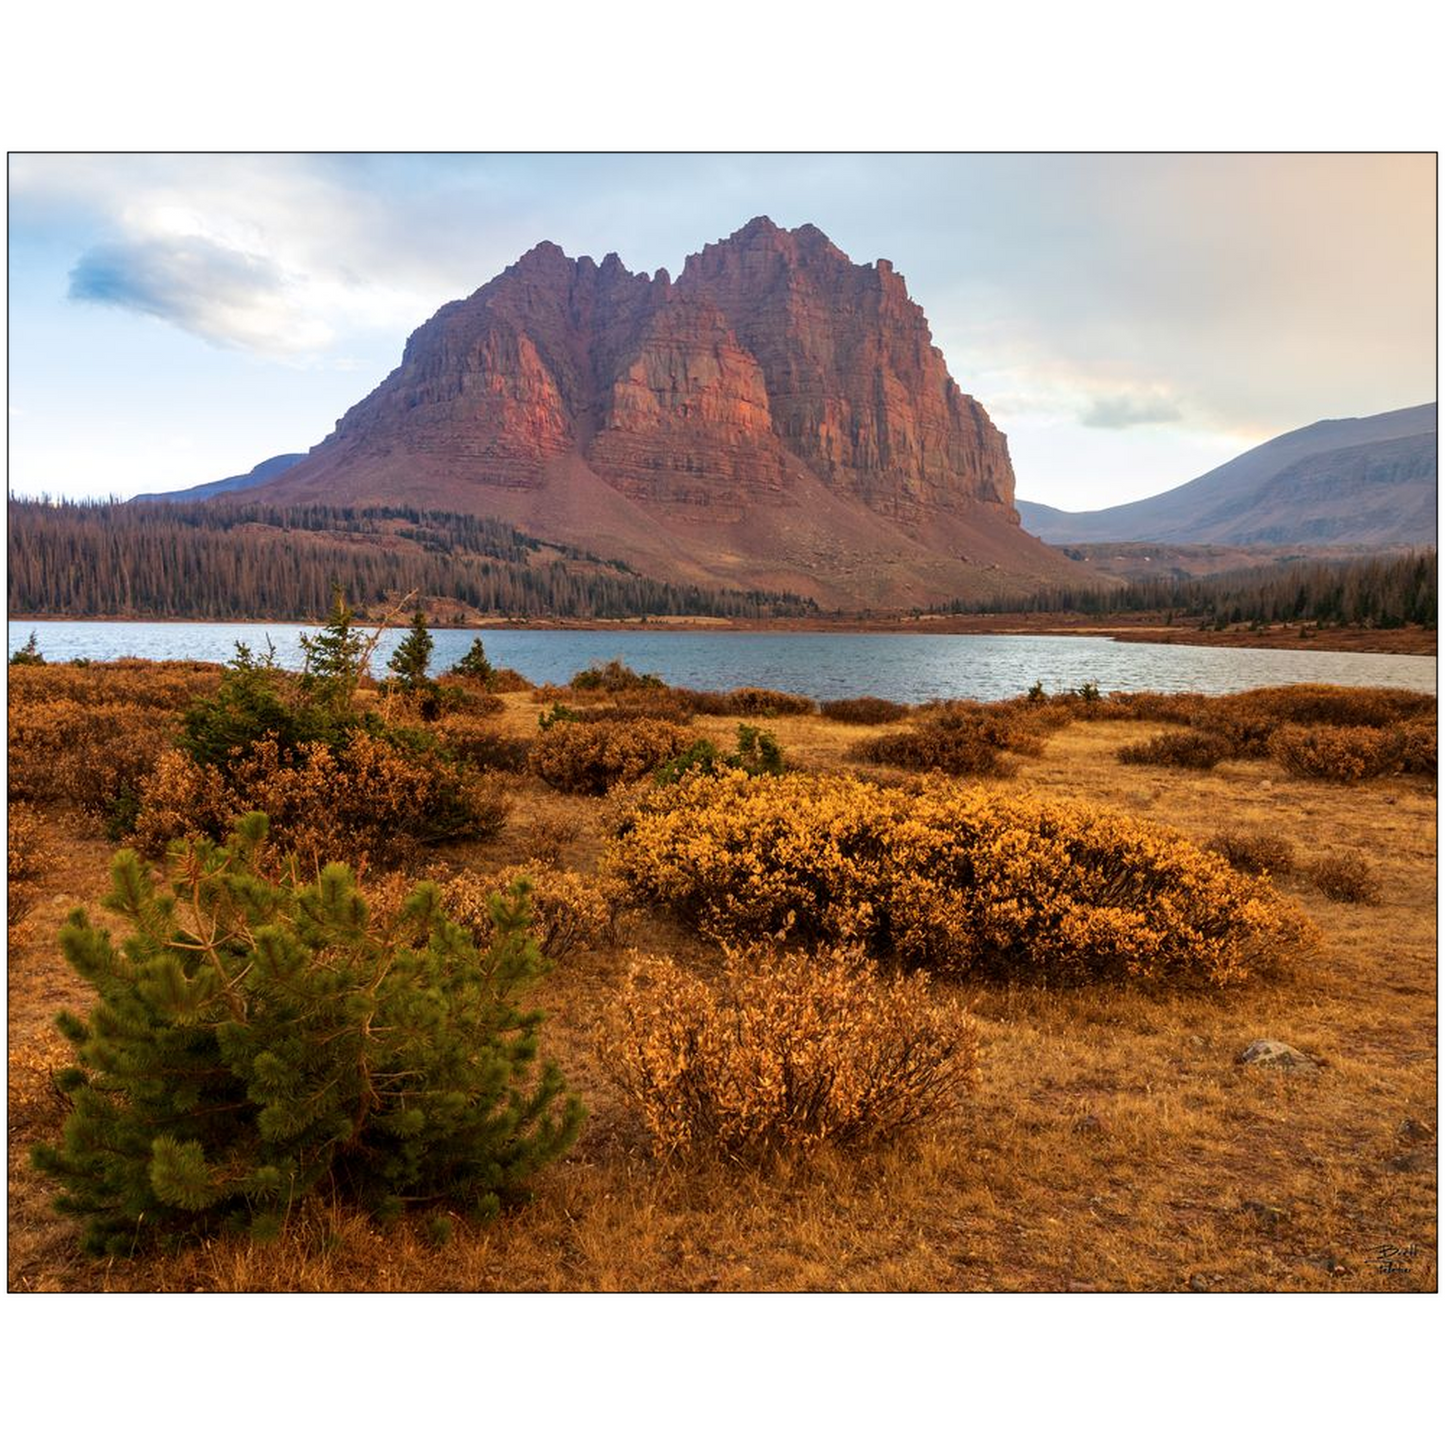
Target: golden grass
column 1112, row 1142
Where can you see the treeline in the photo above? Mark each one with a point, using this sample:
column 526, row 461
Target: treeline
column 223, row 561
column 1379, row 591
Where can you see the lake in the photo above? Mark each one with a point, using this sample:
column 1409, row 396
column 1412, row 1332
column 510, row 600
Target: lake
column 906, row 667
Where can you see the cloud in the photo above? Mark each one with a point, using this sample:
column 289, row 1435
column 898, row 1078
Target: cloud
column 224, row 295
column 1126, row 409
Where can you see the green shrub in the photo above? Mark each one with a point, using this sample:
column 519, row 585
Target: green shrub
column 757, row 753
column 614, row 676
column 413, row 653
column 256, row 700
column 256, row 1040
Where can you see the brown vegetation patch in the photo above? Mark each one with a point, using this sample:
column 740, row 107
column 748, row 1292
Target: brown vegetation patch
column 865, row 711
column 1345, row 877
column 1178, row 750
column 785, row 1052
column 1254, row 852
column 1111, row 1143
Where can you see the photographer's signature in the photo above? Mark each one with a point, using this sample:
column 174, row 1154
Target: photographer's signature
column 1393, row 1258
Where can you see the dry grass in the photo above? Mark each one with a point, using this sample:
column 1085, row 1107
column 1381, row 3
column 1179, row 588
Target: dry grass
column 1112, row 1142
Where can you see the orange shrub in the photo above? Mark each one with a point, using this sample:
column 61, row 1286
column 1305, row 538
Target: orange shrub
column 786, row 1052
column 87, row 754
column 590, row 757
column 1419, row 747
column 370, row 803
column 1337, row 754
column 29, row 857
column 472, row 741
column 952, row 879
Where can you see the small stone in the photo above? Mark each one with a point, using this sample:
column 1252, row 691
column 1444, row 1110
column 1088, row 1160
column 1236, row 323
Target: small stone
column 1267, row 1216
column 1270, row 1053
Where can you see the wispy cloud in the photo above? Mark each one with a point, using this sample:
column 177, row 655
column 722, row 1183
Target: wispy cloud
column 1126, row 409
column 214, row 291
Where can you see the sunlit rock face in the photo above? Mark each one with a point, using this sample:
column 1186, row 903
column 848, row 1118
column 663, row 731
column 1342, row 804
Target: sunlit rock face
column 776, row 416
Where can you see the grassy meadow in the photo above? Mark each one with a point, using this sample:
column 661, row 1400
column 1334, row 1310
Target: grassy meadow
column 1085, row 1125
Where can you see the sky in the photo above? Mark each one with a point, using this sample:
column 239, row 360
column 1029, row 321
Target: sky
column 1129, row 321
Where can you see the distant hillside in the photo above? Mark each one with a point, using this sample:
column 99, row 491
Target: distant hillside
column 263, row 472
column 1361, row 482
column 242, row 557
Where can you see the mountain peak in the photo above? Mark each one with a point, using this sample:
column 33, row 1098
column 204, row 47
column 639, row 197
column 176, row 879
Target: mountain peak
column 546, row 257
column 772, row 413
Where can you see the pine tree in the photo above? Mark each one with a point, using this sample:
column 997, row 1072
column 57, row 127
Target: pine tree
column 474, row 663
column 333, row 656
column 413, row 653
column 29, row 655
column 256, row 1039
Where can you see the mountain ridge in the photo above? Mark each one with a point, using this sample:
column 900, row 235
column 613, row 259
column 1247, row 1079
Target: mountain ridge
column 1366, row 481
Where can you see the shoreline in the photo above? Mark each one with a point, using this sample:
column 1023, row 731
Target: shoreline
column 1412, row 641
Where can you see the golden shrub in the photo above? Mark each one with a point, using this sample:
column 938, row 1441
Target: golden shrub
column 1336, row 754
column 569, row 910
column 590, row 757
column 787, row 1052
column 368, row 804
column 952, row 878
column 1254, row 852
column 1345, row 877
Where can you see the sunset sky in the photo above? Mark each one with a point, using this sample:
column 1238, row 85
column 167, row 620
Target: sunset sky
column 1129, row 320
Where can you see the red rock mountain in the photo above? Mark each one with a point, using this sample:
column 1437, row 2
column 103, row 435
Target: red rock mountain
column 777, row 417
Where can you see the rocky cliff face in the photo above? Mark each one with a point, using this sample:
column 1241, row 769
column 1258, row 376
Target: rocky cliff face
column 775, row 396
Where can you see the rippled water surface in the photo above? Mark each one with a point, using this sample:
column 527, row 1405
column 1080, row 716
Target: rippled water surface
column 905, row 667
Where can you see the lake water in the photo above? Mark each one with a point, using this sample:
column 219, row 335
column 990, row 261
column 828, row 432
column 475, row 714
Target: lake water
column 906, row 667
